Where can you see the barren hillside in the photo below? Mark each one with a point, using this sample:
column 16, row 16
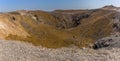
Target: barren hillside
column 59, row 28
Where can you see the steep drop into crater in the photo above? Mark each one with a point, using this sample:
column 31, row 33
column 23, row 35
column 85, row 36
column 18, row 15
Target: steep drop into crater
column 60, row 28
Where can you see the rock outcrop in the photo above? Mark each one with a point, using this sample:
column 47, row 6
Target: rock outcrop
column 108, row 42
column 114, row 39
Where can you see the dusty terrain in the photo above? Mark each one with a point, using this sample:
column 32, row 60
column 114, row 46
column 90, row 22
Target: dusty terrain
column 19, row 51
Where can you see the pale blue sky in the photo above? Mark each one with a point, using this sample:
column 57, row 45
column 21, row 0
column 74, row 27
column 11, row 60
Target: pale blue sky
column 48, row 5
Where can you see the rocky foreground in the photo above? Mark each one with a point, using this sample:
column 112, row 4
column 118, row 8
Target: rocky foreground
column 20, row 51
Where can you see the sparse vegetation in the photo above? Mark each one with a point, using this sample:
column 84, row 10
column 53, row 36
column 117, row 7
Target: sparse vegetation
column 48, row 34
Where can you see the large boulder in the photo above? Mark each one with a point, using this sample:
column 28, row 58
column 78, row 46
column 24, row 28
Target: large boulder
column 109, row 42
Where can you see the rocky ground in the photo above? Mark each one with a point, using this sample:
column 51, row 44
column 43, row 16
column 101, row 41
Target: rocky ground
column 20, row 51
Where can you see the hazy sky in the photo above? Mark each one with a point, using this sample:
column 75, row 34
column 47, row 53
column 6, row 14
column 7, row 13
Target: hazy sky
column 12, row 5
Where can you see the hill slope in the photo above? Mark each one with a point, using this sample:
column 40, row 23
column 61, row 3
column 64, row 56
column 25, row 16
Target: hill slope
column 60, row 28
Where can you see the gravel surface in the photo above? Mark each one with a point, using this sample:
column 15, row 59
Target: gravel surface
column 20, row 51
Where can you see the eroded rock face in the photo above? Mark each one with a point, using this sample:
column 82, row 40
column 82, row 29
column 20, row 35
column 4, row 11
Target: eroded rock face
column 71, row 19
column 114, row 39
column 116, row 23
column 107, row 42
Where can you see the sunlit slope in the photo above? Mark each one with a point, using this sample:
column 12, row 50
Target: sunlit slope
column 60, row 28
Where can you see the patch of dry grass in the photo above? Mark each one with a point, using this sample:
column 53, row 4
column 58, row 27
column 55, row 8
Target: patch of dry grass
column 48, row 35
